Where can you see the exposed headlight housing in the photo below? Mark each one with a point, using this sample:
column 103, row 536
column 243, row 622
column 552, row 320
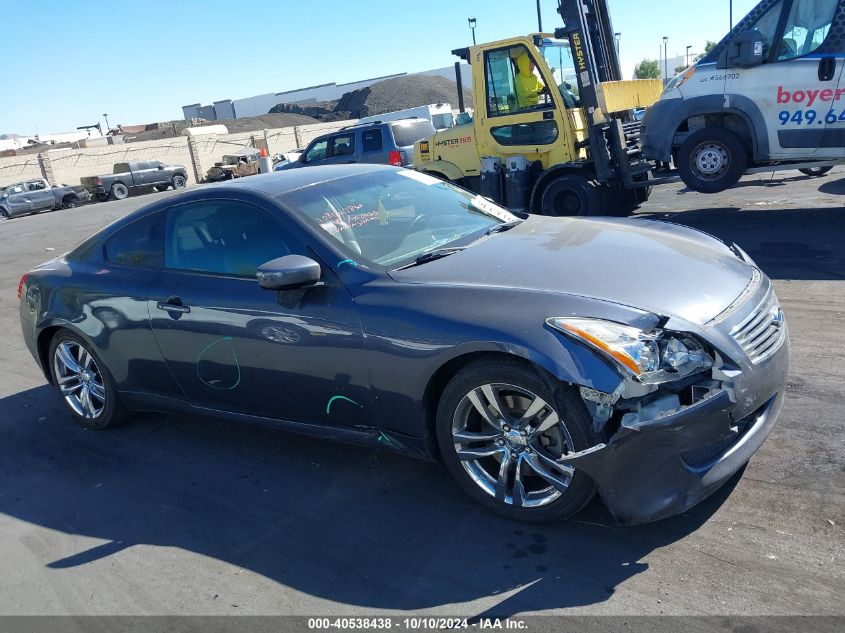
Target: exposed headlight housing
column 651, row 358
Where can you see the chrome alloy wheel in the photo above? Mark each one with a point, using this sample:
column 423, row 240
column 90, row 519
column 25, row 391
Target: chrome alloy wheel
column 509, row 441
column 79, row 379
column 711, row 160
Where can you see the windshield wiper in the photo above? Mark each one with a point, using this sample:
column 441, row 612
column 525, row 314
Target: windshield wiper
column 430, row 256
column 500, row 228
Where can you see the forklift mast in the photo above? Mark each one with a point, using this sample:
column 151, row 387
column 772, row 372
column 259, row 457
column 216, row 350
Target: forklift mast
column 613, row 140
column 588, row 27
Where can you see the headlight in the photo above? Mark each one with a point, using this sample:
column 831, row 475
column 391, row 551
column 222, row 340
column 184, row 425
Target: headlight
column 654, row 357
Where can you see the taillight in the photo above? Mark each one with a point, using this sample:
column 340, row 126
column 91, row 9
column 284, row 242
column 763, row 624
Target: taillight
column 99, row 181
column 20, row 286
column 396, row 158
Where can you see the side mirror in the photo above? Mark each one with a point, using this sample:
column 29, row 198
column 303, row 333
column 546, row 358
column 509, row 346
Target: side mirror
column 746, row 50
column 288, row 273
column 161, row 166
column 301, row 158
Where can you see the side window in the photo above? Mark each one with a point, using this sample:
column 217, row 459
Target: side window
column 806, row 27
column 371, row 140
column 222, row 237
column 513, row 83
column 535, row 133
column 35, row 185
column 140, row 244
column 343, row 144
column 317, row 151
column 15, row 189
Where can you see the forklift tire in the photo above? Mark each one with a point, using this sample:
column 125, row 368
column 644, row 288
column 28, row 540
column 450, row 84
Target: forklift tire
column 712, row 160
column 571, row 194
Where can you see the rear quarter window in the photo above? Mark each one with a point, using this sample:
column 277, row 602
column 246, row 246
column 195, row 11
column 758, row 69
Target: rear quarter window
column 139, row 244
column 406, row 133
column 120, row 168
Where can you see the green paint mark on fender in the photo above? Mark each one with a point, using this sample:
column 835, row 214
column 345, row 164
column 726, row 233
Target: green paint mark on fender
column 333, row 398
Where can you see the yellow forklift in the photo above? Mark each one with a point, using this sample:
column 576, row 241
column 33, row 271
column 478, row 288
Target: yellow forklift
column 552, row 129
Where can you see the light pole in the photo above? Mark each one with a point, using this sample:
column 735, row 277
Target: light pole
column 688, row 47
column 665, row 59
column 472, row 28
column 539, row 18
column 618, row 37
column 106, row 117
column 731, row 13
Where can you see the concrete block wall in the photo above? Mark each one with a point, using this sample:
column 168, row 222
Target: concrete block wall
column 16, row 168
column 69, row 165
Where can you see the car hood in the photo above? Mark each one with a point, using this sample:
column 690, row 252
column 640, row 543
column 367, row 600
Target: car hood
column 666, row 269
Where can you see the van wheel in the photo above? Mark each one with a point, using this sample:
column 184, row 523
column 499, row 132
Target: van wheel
column 814, row 172
column 571, row 194
column 711, row 160
column 119, row 191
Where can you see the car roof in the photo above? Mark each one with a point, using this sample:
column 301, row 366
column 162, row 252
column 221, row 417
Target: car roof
column 280, row 182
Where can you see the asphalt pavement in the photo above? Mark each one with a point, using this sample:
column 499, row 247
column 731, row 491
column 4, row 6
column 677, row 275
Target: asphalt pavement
column 178, row 515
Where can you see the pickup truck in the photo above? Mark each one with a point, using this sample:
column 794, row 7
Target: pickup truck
column 138, row 174
column 32, row 196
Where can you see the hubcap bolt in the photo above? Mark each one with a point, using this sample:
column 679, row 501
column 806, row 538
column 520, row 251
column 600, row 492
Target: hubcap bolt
column 527, row 449
column 506, row 428
column 523, row 433
column 513, row 453
column 500, row 442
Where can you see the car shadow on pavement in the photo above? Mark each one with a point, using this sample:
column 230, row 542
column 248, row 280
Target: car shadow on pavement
column 785, row 243
column 346, row 524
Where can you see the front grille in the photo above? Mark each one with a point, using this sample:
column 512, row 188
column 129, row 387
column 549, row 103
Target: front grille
column 763, row 331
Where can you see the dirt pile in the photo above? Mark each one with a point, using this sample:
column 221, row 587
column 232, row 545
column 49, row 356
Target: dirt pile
column 170, row 129
column 398, row 93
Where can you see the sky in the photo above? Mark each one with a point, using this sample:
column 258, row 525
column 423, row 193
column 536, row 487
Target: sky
column 67, row 62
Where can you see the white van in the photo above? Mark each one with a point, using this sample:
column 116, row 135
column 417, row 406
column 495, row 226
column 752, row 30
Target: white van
column 772, row 90
column 440, row 115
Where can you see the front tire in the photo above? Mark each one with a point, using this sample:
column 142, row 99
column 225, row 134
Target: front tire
column 572, row 194
column 501, row 427
column 178, row 182
column 84, row 382
column 712, row 160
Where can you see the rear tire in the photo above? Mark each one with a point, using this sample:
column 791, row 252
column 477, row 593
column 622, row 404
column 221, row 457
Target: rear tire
column 102, row 197
column 815, row 172
column 712, row 160
column 506, row 470
column 119, row 191
column 572, row 194
column 69, row 202
column 84, row 382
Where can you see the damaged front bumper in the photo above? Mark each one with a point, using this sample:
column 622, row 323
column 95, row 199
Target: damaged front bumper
column 674, row 463
column 655, row 467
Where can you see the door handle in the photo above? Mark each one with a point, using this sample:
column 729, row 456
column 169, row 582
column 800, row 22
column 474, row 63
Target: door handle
column 827, row 68
column 173, row 304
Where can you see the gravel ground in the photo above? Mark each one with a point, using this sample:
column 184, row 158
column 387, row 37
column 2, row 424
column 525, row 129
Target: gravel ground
column 173, row 515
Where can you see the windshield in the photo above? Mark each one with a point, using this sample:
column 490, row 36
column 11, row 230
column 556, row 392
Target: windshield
column 406, row 133
column 558, row 56
column 389, row 218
